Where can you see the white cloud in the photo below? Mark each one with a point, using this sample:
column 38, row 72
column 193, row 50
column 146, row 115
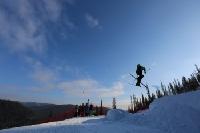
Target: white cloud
column 92, row 21
column 43, row 75
column 53, row 9
column 116, row 90
column 18, row 30
column 90, row 87
column 78, row 87
column 40, row 72
column 49, row 78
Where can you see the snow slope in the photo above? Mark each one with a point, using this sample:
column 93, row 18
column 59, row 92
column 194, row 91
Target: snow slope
column 172, row 114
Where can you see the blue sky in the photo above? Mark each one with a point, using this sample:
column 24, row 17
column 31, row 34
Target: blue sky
column 54, row 50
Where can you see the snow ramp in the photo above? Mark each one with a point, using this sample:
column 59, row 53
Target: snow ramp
column 172, row 114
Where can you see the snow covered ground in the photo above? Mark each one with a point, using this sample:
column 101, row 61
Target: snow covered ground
column 172, row 114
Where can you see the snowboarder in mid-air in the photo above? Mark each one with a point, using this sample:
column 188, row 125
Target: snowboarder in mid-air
column 139, row 73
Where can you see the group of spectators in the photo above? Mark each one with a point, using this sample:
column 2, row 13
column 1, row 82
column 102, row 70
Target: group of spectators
column 84, row 110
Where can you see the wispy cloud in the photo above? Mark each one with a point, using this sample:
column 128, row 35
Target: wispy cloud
column 23, row 24
column 50, row 78
column 91, row 87
column 71, row 2
column 53, row 9
column 45, row 76
column 116, row 90
column 92, row 21
column 78, row 87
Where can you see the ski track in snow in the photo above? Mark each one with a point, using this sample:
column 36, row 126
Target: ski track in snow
column 172, row 114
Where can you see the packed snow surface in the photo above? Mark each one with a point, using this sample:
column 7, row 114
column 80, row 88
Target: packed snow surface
column 116, row 114
column 172, row 114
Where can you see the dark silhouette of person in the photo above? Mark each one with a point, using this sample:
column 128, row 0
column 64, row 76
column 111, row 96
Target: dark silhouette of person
column 90, row 109
column 139, row 73
column 76, row 110
column 86, row 109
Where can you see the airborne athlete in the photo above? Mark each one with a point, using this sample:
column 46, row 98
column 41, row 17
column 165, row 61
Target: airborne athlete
column 139, row 73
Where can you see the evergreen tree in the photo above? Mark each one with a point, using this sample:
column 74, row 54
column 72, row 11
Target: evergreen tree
column 101, row 109
column 153, row 97
column 171, row 87
column 131, row 107
column 114, row 103
column 148, row 93
column 197, row 69
column 143, row 102
column 134, row 101
column 164, row 90
column 198, row 74
column 193, row 83
column 177, row 86
column 169, row 91
column 158, row 93
column 129, row 110
column 146, row 102
column 97, row 110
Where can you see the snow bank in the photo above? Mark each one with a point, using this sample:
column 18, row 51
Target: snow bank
column 173, row 114
column 190, row 99
column 116, row 114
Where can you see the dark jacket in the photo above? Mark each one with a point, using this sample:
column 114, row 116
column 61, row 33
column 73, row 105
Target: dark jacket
column 139, row 70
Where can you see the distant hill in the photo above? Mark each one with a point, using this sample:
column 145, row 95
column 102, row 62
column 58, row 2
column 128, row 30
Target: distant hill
column 43, row 111
column 35, row 104
column 13, row 113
